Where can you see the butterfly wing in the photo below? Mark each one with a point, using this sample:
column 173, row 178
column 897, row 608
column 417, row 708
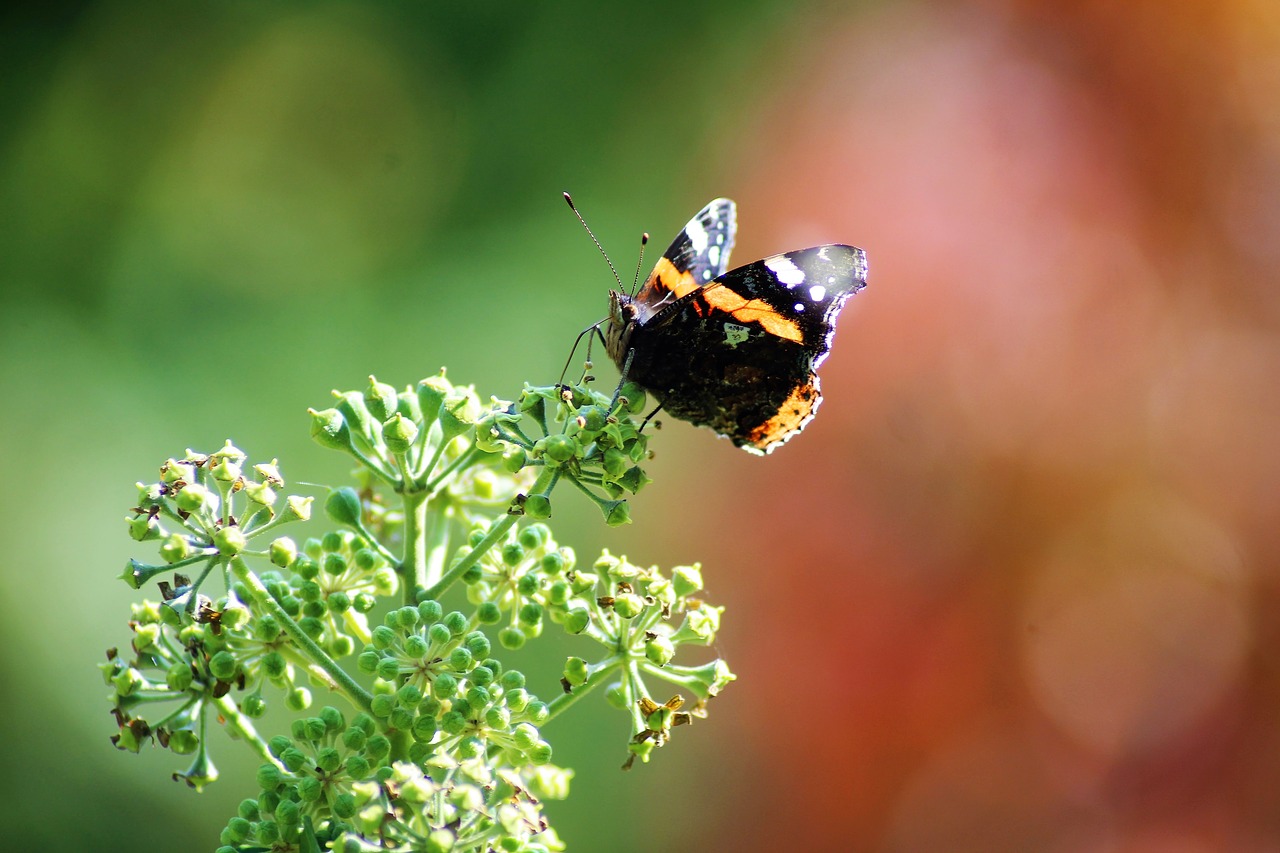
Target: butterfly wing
column 748, row 344
column 698, row 256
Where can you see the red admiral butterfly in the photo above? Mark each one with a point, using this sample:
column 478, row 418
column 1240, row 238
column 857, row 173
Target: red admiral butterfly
column 735, row 351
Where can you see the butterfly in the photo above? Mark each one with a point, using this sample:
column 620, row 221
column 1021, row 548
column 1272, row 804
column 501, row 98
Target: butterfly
column 735, row 351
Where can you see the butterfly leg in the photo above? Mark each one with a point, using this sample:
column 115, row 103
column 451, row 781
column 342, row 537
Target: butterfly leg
column 594, row 327
column 649, row 417
column 622, row 379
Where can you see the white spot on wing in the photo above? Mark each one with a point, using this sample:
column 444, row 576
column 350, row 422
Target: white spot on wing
column 817, row 292
column 713, row 254
column 799, row 306
column 786, row 271
column 697, row 235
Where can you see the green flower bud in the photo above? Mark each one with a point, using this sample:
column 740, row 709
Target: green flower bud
column 172, row 471
column 144, row 527
column 399, row 433
column 614, row 462
column 539, row 753
column 616, row 695
column 237, row 831
column 283, row 552
column 350, row 404
column 511, row 638
column 261, row 494
column 577, row 620
column 382, row 706
column 409, row 695
column 253, row 705
column 559, row 448
column 440, row 841
column 478, row 645
column 530, row 614
column 634, row 479
column 269, row 777
column 329, row 429
column 226, row 471
column 687, row 580
column 424, row 728
column 194, row 497
column 178, row 677
column 296, row 508
column 456, row 622
column 343, row 506
column 514, row 459
column 616, row 513
column 431, row 395
column 459, row 412
column 575, row 671
column 224, row 666
column 444, row 687
column 269, row 473
column 635, row 397
column 488, row 613
column 175, row 548
column 460, row 659
column 512, row 553
column 628, row 605
column 380, row 399
column 537, row 506
column 229, row 541
column 660, row 651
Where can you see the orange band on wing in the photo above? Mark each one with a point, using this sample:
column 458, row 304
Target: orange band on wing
column 672, row 280
column 723, row 299
column 791, row 417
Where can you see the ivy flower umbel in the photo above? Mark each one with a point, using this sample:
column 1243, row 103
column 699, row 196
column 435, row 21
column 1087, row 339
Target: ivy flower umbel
column 445, row 750
column 586, row 438
column 437, row 683
column 450, row 804
column 629, row 611
column 311, row 785
column 515, row 578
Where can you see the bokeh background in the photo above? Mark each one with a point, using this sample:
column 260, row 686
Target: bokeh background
column 1015, row 589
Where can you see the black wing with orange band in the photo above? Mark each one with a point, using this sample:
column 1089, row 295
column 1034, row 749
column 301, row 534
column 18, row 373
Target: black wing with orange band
column 698, row 256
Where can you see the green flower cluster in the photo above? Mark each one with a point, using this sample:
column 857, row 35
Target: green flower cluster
column 640, row 617
column 597, row 450
column 444, row 751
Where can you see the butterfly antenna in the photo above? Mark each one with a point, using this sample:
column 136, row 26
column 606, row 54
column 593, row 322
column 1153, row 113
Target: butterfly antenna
column 569, row 199
column 644, row 241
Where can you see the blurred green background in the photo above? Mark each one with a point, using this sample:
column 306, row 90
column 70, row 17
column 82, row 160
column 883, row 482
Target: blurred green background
column 1015, row 588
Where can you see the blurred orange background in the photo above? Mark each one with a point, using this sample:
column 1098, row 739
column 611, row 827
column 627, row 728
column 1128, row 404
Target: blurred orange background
column 1015, row 587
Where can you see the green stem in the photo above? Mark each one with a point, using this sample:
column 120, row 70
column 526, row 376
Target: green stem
column 354, row 692
column 456, row 465
column 496, row 533
column 433, row 461
column 597, row 677
column 440, row 524
column 413, row 568
column 635, row 692
column 241, row 725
